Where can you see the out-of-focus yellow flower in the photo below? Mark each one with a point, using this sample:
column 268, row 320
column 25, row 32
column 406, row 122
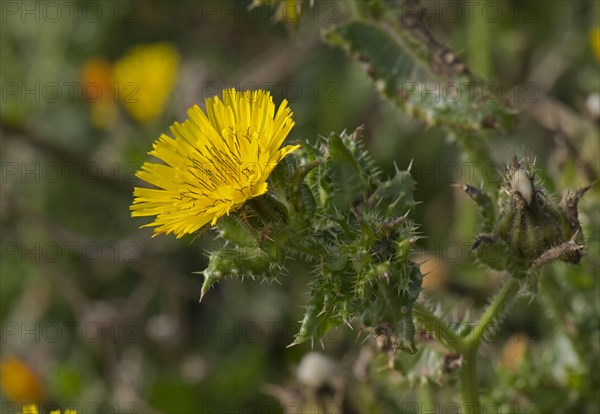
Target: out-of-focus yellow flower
column 19, row 382
column 595, row 41
column 96, row 79
column 144, row 79
column 215, row 163
column 287, row 11
column 97, row 89
column 32, row 409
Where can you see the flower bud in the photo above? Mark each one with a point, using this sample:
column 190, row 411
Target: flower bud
column 530, row 229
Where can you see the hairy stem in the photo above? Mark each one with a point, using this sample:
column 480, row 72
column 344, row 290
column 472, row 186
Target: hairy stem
column 504, row 296
column 468, row 379
column 479, row 32
column 468, row 374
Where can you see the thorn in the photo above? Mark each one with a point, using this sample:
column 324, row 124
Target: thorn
column 515, row 161
column 365, row 340
column 427, row 259
column 575, row 235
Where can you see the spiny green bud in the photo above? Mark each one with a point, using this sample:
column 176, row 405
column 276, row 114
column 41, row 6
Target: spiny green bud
column 530, row 229
column 327, row 205
column 242, row 262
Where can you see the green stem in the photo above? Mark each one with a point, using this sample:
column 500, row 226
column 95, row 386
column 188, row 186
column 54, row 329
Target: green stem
column 468, row 379
column 468, row 374
column 504, row 296
column 479, row 33
column 469, row 345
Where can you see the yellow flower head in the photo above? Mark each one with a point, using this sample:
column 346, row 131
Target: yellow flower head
column 96, row 78
column 595, row 41
column 32, row 409
column 144, row 79
column 19, row 382
column 215, row 163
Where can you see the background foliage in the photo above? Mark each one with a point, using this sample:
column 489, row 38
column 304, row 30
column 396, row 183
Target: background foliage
column 103, row 315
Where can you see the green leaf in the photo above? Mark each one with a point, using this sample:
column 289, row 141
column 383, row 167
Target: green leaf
column 318, row 318
column 394, row 197
column 346, row 183
column 400, row 73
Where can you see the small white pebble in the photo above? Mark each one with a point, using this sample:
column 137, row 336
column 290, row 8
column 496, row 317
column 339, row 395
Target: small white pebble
column 592, row 104
column 380, row 85
column 316, row 370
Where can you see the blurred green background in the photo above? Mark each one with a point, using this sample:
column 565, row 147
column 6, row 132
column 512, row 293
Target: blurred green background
column 97, row 313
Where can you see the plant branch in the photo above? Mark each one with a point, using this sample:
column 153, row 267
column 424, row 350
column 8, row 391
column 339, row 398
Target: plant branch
column 504, row 296
column 468, row 374
column 468, row 377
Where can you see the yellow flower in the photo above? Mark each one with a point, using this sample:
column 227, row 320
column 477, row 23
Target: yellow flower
column 215, row 163
column 144, row 79
column 32, row 409
column 96, row 79
column 595, row 41
column 19, row 382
